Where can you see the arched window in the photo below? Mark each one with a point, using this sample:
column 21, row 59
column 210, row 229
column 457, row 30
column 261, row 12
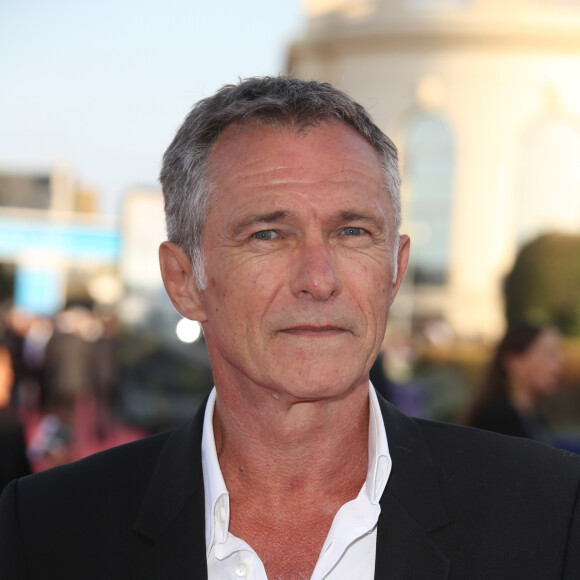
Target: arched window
column 428, row 174
column 548, row 185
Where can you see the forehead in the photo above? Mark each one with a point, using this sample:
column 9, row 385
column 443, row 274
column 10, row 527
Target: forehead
column 267, row 159
column 238, row 139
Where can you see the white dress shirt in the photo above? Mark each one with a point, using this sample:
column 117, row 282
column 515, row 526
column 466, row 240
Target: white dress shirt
column 350, row 547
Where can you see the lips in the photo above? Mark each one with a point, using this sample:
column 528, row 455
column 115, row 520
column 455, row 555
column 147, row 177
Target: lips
column 314, row 330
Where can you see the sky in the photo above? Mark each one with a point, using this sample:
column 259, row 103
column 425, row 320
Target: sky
column 101, row 87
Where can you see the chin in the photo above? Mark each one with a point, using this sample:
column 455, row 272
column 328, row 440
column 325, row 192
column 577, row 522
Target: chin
column 336, row 387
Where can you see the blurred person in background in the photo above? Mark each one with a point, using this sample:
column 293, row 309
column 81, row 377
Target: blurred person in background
column 13, row 460
column 68, row 372
column 25, row 335
column 69, row 361
column 526, row 369
column 79, row 379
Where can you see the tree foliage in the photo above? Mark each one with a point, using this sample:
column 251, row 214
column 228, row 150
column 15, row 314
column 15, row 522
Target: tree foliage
column 544, row 283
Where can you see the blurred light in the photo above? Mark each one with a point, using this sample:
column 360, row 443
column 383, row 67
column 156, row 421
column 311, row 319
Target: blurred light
column 105, row 289
column 430, row 93
column 188, row 330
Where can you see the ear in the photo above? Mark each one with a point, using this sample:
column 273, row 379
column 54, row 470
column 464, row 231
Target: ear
column 402, row 263
column 179, row 282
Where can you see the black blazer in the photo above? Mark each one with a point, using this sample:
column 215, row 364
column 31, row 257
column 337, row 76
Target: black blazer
column 13, row 459
column 460, row 504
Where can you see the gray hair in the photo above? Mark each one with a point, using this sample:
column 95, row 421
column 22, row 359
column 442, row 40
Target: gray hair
column 282, row 101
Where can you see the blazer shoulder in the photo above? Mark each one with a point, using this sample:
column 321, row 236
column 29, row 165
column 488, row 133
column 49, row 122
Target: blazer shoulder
column 125, row 467
column 113, row 503
column 460, row 452
column 472, row 438
column 473, row 452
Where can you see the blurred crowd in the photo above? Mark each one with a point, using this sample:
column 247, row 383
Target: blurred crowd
column 58, row 380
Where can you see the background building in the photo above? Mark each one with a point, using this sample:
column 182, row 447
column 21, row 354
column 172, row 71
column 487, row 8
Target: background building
column 482, row 97
column 54, row 246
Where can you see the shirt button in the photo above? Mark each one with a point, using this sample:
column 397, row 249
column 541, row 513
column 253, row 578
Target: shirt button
column 242, row 569
column 223, row 514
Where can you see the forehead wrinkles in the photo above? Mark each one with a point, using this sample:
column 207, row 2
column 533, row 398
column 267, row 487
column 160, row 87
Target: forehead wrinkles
column 238, row 144
column 265, row 178
column 270, row 160
column 294, row 179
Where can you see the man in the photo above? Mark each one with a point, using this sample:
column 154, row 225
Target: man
column 282, row 203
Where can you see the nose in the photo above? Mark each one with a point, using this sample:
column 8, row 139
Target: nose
column 314, row 270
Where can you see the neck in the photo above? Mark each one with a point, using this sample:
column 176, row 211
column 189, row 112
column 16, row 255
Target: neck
column 274, row 447
column 289, row 466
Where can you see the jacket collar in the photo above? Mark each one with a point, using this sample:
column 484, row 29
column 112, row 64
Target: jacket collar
column 412, row 505
column 170, row 527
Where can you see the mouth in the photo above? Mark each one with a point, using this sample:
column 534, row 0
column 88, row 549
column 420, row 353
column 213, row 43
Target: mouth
column 311, row 330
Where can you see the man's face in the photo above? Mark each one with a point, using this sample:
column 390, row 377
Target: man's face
column 299, row 257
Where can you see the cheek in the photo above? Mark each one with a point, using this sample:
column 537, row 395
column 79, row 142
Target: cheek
column 379, row 289
column 372, row 298
column 540, row 373
column 550, row 368
column 244, row 298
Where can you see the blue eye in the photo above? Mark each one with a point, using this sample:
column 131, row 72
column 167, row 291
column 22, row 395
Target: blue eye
column 265, row 235
column 352, row 231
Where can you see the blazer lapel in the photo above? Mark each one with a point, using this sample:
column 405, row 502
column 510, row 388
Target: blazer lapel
column 412, row 506
column 170, row 527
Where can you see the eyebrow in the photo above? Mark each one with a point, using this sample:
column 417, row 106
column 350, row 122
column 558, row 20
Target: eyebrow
column 256, row 219
column 355, row 216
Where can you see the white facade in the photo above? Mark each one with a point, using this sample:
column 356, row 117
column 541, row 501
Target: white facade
column 490, row 89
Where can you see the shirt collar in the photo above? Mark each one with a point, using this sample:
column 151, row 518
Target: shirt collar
column 380, row 463
column 217, row 499
column 217, row 504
